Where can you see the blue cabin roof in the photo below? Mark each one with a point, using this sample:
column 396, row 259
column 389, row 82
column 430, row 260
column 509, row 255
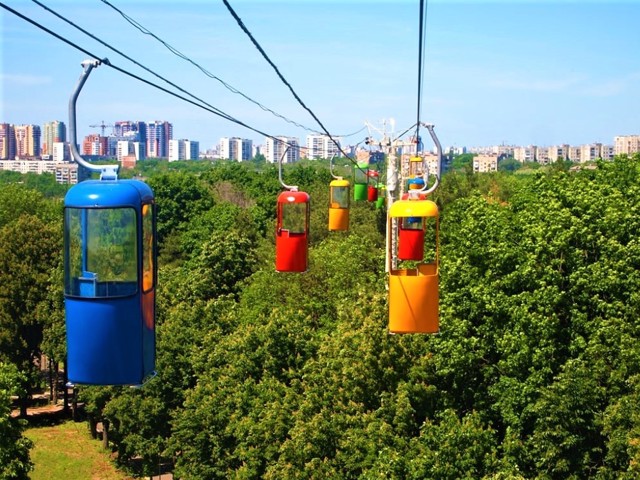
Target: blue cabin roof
column 105, row 193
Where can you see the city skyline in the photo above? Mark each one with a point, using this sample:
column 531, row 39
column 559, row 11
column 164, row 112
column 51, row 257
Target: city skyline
column 534, row 73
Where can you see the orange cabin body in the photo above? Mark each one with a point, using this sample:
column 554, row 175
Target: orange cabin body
column 292, row 232
column 413, row 291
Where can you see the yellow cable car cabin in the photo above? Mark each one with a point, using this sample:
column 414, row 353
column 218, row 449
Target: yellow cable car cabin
column 413, row 291
column 339, row 204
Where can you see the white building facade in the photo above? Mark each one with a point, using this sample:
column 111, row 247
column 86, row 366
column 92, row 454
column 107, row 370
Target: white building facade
column 322, row 146
column 183, row 150
column 275, row 148
column 235, row 148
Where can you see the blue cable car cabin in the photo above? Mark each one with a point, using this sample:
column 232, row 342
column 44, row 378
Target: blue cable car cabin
column 109, row 282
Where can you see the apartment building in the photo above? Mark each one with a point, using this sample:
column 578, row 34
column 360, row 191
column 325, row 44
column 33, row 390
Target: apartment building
column 322, row 146
column 60, row 152
column 28, row 166
column 159, row 133
column 574, row 154
column 134, row 131
column 607, row 152
column 626, row 144
column 542, row 155
column 127, row 148
column 590, row 152
column 558, row 151
column 275, row 148
column 95, row 145
column 235, row 148
column 67, row 173
column 183, row 150
column 27, row 140
column 484, row 163
column 54, row 132
column 525, row 154
column 7, row 142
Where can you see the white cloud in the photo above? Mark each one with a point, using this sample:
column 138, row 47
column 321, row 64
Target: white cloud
column 537, row 84
column 25, row 80
column 614, row 86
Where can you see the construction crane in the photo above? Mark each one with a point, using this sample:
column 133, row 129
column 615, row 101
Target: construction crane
column 102, row 126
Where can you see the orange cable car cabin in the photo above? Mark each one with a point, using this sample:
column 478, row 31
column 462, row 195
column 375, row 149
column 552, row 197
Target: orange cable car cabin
column 339, row 204
column 413, row 291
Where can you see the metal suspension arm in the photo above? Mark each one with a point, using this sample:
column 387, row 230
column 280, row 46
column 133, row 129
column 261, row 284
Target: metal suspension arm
column 434, row 137
column 288, row 187
column 107, row 172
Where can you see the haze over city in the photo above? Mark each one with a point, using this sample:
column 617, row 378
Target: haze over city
column 518, row 73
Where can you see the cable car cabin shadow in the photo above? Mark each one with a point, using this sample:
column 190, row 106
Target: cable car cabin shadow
column 109, row 282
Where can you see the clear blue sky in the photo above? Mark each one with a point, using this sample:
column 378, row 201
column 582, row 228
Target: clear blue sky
column 514, row 72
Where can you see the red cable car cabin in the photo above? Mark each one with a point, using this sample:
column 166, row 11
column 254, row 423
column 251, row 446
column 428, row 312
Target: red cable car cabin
column 292, row 232
column 372, row 190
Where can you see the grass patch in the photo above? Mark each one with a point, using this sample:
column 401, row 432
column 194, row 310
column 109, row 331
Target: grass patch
column 67, row 451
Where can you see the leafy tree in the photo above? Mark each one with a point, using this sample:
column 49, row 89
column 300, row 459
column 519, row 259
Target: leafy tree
column 179, row 196
column 50, row 314
column 509, row 165
column 459, row 162
column 15, row 463
column 44, row 183
column 533, row 375
column 30, row 252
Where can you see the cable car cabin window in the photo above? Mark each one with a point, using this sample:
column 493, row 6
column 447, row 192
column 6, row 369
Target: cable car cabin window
column 412, row 223
column 294, row 217
column 339, row 197
column 147, row 248
column 101, row 252
column 430, row 241
column 360, row 176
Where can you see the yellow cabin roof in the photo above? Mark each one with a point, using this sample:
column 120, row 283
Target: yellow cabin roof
column 413, row 208
column 339, row 183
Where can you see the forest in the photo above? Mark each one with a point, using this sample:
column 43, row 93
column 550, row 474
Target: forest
column 535, row 372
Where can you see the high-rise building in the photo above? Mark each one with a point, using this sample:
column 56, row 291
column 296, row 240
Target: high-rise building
column 135, row 131
column 275, row 148
column 322, row 146
column 95, row 145
column 54, row 131
column 27, row 140
column 183, row 150
column 7, row 142
column 235, row 148
column 158, row 135
column 60, row 152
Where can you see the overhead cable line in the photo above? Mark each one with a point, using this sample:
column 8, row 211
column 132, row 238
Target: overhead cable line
column 105, row 61
column 421, row 45
column 179, row 54
column 61, row 17
column 266, row 57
